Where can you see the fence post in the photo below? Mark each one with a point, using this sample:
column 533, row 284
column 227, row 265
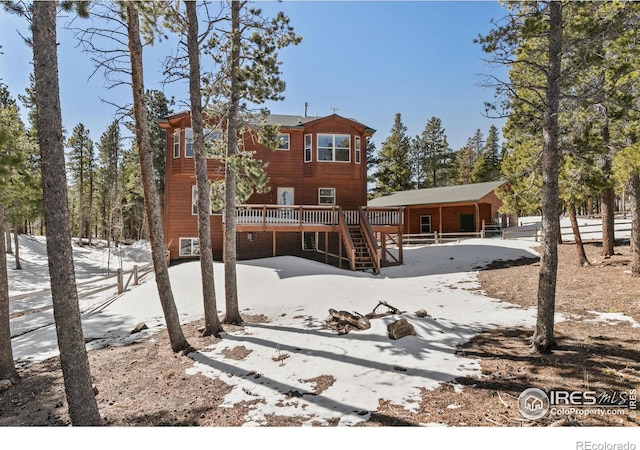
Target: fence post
column 483, row 230
column 536, row 234
column 435, row 237
column 135, row 275
column 120, row 282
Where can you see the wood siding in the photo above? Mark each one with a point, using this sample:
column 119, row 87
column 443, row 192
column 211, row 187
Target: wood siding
column 286, row 168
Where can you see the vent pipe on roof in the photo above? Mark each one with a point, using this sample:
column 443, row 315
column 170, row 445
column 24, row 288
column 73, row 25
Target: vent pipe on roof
column 306, row 105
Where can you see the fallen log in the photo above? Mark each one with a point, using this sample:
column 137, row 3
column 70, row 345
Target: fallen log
column 344, row 321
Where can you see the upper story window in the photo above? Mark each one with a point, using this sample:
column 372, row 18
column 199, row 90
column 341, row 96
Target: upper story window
column 334, row 147
column 283, row 142
column 307, row 147
column 188, row 143
column 176, row 143
column 357, row 150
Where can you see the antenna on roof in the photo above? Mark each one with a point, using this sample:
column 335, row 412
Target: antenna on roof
column 334, row 109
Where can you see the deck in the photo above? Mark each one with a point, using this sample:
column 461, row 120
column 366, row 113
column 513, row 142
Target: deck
column 364, row 234
column 251, row 218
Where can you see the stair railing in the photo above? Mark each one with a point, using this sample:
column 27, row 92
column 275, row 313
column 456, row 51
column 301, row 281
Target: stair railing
column 348, row 240
column 370, row 238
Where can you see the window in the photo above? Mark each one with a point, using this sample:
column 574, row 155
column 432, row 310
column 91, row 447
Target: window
column 357, row 149
column 188, row 143
column 327, row 196
column 194, row 199
column 307, row 148
column 283, row 142
column 176, row 143
column 425, row 224
column 334, row 147
column 189, row 247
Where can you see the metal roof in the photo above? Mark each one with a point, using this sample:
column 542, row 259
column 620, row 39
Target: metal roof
column 449, row 194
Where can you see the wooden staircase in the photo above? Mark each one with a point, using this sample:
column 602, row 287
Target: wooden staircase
column 364, row 260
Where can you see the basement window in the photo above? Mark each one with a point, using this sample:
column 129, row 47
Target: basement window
column 189, row 246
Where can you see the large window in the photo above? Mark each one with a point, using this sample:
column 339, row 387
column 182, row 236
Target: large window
column 327, row 196
column 189, row 246
column 188, row 143
column 334, row 147
column 425, row 224
column 307, row 148
column 176, row 143
column 283, row 142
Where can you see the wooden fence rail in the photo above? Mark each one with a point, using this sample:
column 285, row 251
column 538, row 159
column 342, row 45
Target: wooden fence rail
column 135, row 275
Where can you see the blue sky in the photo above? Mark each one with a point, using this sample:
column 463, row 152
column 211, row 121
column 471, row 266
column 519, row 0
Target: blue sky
column 368, row 59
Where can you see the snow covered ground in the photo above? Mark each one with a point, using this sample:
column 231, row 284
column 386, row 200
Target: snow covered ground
column 296, row 346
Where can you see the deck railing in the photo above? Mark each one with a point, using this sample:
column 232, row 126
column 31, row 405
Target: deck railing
column 384, row 216
column 313, row 215
column 286, row 215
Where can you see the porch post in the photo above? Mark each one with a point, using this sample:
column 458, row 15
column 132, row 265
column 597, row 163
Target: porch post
column 274, row 243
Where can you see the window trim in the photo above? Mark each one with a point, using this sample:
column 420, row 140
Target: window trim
column 176, row 143
column 309, row 148
column 325, row 196
column 191, row 239
column 188, row 142
column 357, row 146
column 333, row 148
column 421, row 224
column 288, row 142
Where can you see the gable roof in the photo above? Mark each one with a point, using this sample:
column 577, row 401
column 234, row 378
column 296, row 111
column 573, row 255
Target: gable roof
column 282, row 120
column 464, row 193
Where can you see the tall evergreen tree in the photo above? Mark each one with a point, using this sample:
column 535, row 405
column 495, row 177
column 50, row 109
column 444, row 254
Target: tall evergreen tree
column 212, row 325
column 247, row 56
column 531, row 43
column 154, row 220
column 489, row 160
column 430, row 156
column 83, row 408
column 110, row 157
column 81, row 164
column 7, row 366
column 394, row 171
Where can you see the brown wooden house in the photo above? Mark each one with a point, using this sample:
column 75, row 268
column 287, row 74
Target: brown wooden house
column 317, row 180
column 450, row 209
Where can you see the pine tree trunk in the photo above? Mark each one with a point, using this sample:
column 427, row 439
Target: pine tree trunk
column 608, row 216
column 634, row 194
column 156, row 235
column 212, row 326
column 8, row 240
column 16, row 240
column 543, row 338
column 83, row 408
column 230, row 277
column 7, row 366
column 583, row 261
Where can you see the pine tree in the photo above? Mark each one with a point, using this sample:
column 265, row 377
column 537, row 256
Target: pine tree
column 394, row 172
column 488, row 162
column 430, row 156
column 83, row 408
column 531, row 43
column 81, row 164
column 247, row 55
column 110, row 157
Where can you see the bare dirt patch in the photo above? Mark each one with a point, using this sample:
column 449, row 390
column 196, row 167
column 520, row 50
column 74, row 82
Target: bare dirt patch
column 145, row 384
